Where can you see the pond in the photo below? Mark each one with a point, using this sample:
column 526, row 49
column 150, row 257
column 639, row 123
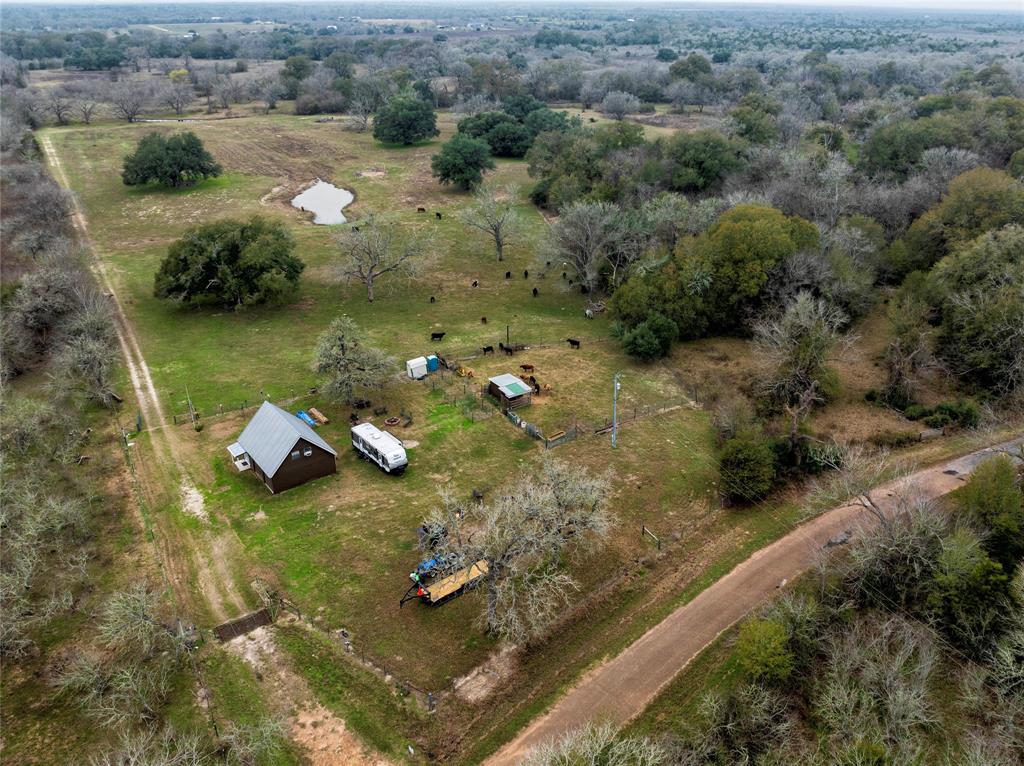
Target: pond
column 325, row 201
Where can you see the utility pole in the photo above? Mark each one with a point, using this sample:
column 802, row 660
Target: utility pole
column 615, row 409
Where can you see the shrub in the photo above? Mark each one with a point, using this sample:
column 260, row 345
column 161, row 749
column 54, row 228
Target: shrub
column 651, row 339
column 894, row 439
column 917, row 411
column 938, row 420
column 746, row 468
column 762, row 652
column 993, row 500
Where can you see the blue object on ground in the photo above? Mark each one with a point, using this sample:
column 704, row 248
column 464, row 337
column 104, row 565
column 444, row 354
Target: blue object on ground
column 304, row 416
column 432, row 363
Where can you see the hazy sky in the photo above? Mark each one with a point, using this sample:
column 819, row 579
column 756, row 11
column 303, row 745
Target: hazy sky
column 967, row 5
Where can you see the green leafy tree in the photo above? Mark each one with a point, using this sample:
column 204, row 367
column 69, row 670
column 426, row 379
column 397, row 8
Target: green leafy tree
column 977, row 201
column 762, row 652
column 230, row 263
column 1016, row 165
column 543, row 120
column 754, row 125
column 180, row 160
column 509, row 139
column 746, row 468
column 404, row 120
column 967, row 592
column 693, row 67
column 520, row 105
column 347, row 363
column 700, row 160
column 295, row 70
column 462, row 162
column 479, row 125
column 651, row 339
column 979, row 294
column 994, row 501
column 741, row 249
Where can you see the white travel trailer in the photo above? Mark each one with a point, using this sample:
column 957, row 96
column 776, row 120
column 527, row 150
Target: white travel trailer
column 382, row 448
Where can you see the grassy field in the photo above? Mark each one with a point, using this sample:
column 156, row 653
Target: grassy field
column 341, row 547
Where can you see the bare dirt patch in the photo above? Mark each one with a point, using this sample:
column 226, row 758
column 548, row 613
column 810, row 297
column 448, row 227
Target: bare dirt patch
column 192, row 501
column 478, row 683
column 322, row 735
column 374, row 173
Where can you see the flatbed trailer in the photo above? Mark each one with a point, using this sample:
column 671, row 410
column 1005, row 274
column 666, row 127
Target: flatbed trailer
column 449, row 586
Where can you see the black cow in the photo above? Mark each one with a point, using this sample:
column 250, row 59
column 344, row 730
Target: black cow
column 431, row 298
column 536, row 292
column 564, row 275
column 573, row 343
column 355, row 229
column 488, row 350
column 438, row 216
column 421, row 210
column 476, row 283
column 483, row 320
column 508, row 275
column 436, row 335
column 526, row 274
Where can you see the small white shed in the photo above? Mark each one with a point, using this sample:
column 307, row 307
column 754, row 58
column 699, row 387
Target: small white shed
column 417, row 368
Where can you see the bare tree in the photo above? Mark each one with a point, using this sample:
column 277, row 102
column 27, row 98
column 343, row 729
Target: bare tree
column 593, row 744
column 86, row 105
column 856, row 473
column 796, row 345
column 493, row 212
column 360, row 109
column 151, row 747
column 522, row 535
column 229, row 91
column 617, row 104
column 128, row 99
column 59, row 105
column 177, row 96
column 347, row 362
column 581, row 236
column 268, row 90
column 376, row 250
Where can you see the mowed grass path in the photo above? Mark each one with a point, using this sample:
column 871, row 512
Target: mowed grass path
column 342, row 546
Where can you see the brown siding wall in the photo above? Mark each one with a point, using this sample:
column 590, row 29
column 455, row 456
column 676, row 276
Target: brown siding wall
column 295, row 472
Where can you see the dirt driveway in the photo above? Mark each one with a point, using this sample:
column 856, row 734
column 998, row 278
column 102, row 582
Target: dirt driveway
column 621, row 688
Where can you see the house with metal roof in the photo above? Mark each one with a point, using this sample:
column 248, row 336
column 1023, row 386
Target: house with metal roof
column 282, row 450
column 510, row 391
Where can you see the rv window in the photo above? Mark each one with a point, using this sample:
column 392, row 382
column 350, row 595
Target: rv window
column 295, row 455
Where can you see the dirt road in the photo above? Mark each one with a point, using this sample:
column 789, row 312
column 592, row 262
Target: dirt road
column 622, row 687
column 220, row 595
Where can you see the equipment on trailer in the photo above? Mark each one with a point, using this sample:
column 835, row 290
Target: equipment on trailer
column 382, row 448
column 447, row 587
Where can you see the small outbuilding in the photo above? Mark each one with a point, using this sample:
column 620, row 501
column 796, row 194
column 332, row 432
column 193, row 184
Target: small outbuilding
column 416, row 368
column 510, row 391
column 282, row 450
